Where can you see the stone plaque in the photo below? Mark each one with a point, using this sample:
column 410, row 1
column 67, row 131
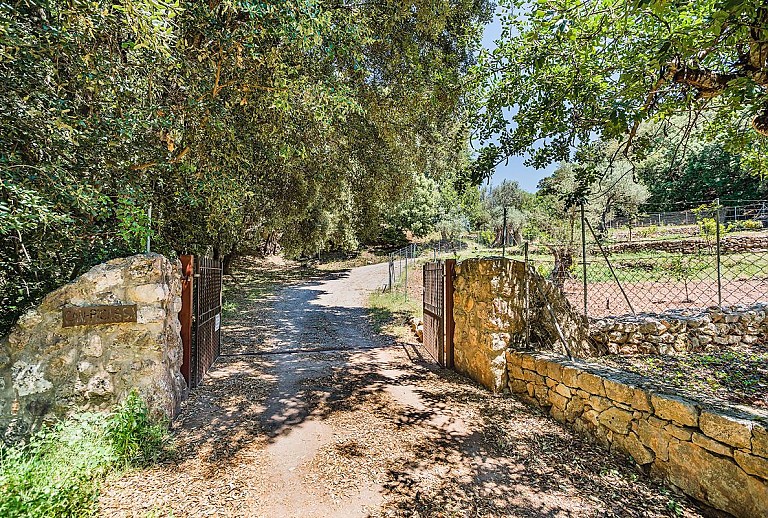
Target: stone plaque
column 94, row 315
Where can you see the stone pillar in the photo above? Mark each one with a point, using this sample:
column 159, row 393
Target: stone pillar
column 488, row 311
column 48, row 371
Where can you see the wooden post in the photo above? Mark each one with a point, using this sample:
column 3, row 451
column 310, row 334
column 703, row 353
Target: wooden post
column 185, row 315
column 450, row 324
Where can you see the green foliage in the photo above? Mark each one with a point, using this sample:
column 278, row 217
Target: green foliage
column 698, row 171
column 648, row 231
column 57, row 472
column 135, row 437
column 241, row 124
column 746, row 224
column 566, row 73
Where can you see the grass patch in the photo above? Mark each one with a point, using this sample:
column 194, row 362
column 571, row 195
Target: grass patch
column 58, row 470
column 391, row 308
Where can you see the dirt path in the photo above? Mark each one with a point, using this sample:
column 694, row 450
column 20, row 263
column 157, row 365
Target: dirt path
column 310, row 413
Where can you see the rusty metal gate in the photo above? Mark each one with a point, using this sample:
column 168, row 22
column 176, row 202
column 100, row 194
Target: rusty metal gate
column 200, row 316
column 438, row 311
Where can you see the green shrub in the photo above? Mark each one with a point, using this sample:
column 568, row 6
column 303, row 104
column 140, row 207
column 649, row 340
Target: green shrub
column 648, row 231
column 136, row 438
column 58, row 470
column 747, row 224
column 487, row 237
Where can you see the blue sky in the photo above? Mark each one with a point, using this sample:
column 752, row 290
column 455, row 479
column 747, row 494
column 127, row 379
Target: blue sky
column 527, row 177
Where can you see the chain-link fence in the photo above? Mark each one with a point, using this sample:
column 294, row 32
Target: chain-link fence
column 718, row 257
column 404, row 260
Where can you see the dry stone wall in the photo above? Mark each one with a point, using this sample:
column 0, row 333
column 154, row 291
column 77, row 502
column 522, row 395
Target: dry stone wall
column 728, row 245
column 49, row 371
column 680, row 331
column 490, row 313
column 716, row 455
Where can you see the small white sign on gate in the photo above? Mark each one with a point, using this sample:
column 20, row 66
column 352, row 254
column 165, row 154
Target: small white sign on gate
column 217, row 324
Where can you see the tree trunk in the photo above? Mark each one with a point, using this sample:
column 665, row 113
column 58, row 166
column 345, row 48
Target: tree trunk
column 563, row 262
column 227, row 263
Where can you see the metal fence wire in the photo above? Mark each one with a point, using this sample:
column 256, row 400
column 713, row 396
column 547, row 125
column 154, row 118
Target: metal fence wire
column 404, row 258
column 713, row 259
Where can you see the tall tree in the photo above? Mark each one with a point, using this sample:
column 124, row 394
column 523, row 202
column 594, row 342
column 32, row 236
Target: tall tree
column 567, row 72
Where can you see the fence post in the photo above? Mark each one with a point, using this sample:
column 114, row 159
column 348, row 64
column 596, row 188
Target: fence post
column 717, row 241
column 584, row 256
column 526, row 302
column 406, row 272
column 504, row 235
column 449, row 270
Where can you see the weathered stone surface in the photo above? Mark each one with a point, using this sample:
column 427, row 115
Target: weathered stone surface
column 591, row 383
column 641, row 400
column 711, row 444
column 760, row 440
column 654, row 438
column 663, row 439
column 558, row 400
column 55, row 371
column 676, row 409
column 730, row 430
column 679, row 432
column 631, row 444
column 616, row 420
column 563, row 390
column 679, row 331
column 757, row 466
column 486, row 293
column 716, row 480
column 618, row 391
column 570, row 375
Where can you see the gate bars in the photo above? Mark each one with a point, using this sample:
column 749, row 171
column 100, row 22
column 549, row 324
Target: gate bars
column 438, row 310
column 200, row 316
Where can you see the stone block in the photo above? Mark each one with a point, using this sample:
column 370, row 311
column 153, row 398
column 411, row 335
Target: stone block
column 527, row 362
column 641, row 400
column 557, row 414
column 517, row 386
column 760, row 440
column 675, row 409
column 541, row 366
column 570, row 376
column 727, row 429
column 514, row 372
column 655, row 439
column 555, row 371
column 680, row 432
column 542, row 394
column 599, row 403
column 711, row 444
column 514, row 358
column 574, row 409
column 631, row 444
column 591, row 383
column 757, row 466
column 558, row 400
column 590, row 416
column 618, row 391
column 616, row 420
column 563, row 390
column 716, row 480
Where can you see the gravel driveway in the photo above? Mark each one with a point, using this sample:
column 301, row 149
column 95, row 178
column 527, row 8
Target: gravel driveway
column 310, row 413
